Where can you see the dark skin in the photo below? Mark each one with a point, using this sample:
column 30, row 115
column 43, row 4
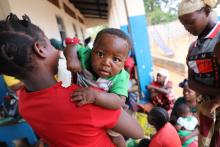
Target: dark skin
column 49, row 56
column 194, row 133
column 161, row 80
column 190, row 97
column 45, row 66
column 199, row 23
column 109, row 54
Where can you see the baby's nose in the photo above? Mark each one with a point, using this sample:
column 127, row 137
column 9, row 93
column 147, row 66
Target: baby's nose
column 107, row 61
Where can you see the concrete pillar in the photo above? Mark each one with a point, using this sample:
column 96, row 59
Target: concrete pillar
column 137, row 25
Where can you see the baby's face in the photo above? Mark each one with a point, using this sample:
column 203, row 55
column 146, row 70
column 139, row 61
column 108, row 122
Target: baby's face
column 108, row 55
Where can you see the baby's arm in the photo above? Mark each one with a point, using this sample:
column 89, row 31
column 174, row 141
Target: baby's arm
column 88, row 95
column 70, row 53
column 110, row 100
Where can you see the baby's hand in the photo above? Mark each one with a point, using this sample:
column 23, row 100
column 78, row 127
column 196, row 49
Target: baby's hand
column 82, row 96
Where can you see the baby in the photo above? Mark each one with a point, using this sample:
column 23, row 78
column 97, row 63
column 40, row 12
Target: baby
column 101, row 67
column 186, row 123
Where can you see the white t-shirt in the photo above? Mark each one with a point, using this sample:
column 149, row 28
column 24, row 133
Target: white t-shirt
column 188, row 123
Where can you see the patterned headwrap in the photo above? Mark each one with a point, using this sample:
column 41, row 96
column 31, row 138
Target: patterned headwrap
column 189, row 6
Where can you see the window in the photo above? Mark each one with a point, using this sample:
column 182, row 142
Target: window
column 75, row 30
column 61, row 27
column 83, row 37
column 55, row 2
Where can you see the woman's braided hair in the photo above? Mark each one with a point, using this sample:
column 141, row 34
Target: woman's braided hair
column 17, row 38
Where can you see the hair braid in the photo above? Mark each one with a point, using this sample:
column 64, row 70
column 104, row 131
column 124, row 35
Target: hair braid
column 17, row 38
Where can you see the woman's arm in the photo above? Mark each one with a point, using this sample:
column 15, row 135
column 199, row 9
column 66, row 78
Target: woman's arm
column 203, row 89
column 193, row 134
column 162, row 90
column 128, row 126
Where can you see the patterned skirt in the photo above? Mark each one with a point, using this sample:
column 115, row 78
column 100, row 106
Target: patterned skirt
column 209, row 124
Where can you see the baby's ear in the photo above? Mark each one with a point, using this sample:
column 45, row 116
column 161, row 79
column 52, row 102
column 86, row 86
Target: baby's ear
column 40, row 49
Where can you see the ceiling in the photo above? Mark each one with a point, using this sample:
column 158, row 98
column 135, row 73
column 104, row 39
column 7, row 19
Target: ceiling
column 92, row 8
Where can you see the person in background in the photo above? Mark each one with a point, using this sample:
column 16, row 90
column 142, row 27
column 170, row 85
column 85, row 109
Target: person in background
column 145, row 142
column 203, row 62
column 44, row 103
column 133, row 90
column 189, row 98
column 186, row 124
column 87, row 42
column 63, row 74
column 166, row 135
column 57, row 44
column 161, row 92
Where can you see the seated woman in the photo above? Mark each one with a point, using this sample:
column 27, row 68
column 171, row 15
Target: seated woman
column 188, row 98
column 161, row 92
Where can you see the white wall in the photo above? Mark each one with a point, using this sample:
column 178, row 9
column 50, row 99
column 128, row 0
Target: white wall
column 92, row 22
column 43, row 13
column 135, row 7
column 217, row 9
column 4, row 9
column 113, row 19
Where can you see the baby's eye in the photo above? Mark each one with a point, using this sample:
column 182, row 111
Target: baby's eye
column 100, row 54
column 115, row 59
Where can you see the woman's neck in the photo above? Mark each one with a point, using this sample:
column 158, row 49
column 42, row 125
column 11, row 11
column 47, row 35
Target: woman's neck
column 211, row 24
column 37, row 81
